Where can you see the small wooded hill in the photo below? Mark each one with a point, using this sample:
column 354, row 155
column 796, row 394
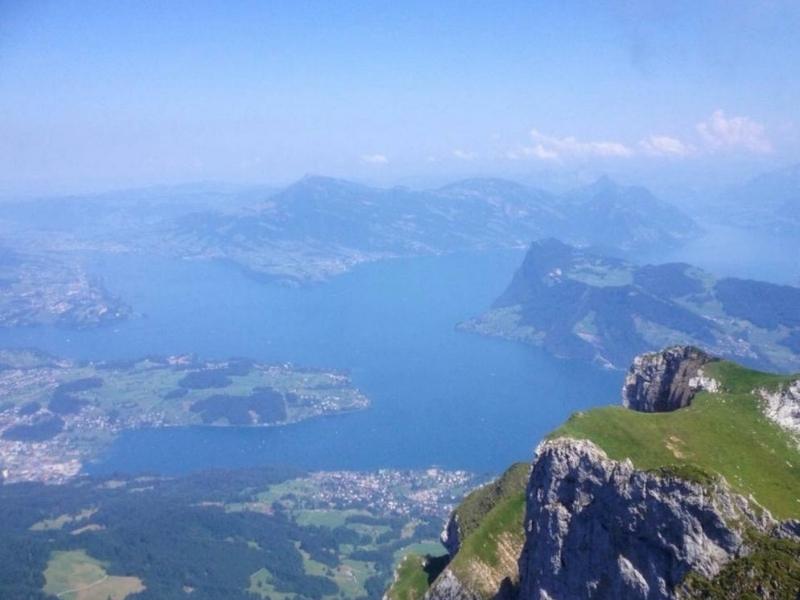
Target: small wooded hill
column 733, row 451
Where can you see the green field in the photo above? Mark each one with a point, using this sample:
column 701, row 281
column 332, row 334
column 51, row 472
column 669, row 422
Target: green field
column 722, row 434
column 74, row 575
column 348, row 573
column 62, row 520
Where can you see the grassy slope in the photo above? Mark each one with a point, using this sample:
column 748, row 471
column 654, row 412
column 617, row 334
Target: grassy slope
column 478, row 503
column 724, row 434
column 491, row 525
column 75, row 575
column 719, row 434
column 502, row 528
column 771, row 570
column 411, row 580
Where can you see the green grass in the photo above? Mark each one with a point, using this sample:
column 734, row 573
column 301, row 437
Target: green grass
column 719, row 434
column 414, row 576
column 492, row 532
column 478, row 503
column 351, row 575
column 425, row 548
column 74, row 575
column 491, row 526
column 411, row 579
column 326, row 518
column 771, row 570
column 505, row 518
column 62, row 520
column 261, row 585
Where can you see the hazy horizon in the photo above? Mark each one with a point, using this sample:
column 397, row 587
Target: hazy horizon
column 691, row 95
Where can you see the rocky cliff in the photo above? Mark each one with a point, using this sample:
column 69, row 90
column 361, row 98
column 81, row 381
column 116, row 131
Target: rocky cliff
column 698, row 501
column 600, row 528
column 783, row 405
column 667, row 380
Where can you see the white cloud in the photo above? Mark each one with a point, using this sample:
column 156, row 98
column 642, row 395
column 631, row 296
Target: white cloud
column 374, row 159
column 463, row 154
column 720, row 133
column 547, row 147
column 537, row 151
column 664, row 145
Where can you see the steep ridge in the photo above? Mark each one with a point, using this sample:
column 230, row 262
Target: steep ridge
column 483, row 538
column 689, row 490
column 577, row 302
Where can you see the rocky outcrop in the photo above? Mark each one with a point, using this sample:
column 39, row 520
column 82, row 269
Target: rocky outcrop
column 599, row 528
column 492, row 513
column 667, row 380
column 783, row 405
column 451, row 535
column 590, row 526
column 449, row 587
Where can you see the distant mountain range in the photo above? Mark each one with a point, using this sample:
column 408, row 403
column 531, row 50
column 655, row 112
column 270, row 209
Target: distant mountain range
column 770, row 201
column 319, row 227
column 578, row 303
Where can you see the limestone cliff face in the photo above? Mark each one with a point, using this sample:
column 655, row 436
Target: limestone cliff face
column 783, row 406
column 599, row 528
column 449, row 587
column 667, row 380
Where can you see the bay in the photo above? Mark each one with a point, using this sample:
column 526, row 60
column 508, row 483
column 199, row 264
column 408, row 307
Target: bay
column 439, row 396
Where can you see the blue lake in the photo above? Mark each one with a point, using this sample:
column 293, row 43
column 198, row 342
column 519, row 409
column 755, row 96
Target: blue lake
column 440, row 396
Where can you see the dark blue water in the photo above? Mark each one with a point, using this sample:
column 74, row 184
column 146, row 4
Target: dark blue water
column 439, row 396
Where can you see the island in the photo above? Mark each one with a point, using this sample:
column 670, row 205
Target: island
column 57, row 414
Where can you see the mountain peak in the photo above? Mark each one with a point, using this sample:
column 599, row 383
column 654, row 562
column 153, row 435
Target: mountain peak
column 319, row 187
column 484, row 184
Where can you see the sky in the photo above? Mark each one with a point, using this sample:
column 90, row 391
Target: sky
column 103, row 95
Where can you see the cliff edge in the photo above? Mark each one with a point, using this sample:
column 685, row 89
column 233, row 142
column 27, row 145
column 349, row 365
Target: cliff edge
column 667, row 380
column 688, row 490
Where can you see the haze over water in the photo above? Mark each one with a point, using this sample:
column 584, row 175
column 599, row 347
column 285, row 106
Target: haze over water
column 440, row 396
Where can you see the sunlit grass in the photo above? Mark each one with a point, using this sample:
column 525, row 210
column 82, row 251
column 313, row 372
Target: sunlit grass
column 723, row 434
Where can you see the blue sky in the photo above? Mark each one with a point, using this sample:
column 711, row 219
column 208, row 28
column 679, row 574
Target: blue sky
column 98, row 95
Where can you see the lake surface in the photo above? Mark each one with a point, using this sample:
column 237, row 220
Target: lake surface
column 440, row 396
